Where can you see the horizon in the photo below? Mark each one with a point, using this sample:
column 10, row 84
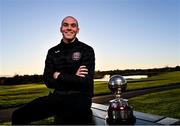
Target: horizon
column 125, row 34
column 95, row 71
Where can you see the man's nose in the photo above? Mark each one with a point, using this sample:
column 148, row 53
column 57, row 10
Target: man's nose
column 69, row 27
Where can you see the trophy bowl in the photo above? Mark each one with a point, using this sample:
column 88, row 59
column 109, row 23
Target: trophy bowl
column 117, row 84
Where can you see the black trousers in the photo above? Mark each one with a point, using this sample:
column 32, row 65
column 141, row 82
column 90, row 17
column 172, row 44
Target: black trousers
column 69, row 109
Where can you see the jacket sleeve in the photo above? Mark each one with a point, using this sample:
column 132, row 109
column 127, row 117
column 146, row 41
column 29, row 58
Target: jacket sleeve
column 49, row 81
column 82, row 83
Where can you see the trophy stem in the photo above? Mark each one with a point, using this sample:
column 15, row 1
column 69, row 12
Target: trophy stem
column 118, row 93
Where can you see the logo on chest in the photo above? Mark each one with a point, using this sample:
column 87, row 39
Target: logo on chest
column 76, row 56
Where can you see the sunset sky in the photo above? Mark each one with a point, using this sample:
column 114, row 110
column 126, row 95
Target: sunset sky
column 125, row 34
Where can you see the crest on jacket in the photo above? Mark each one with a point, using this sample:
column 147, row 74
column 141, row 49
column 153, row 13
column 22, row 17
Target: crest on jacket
column 76, row 56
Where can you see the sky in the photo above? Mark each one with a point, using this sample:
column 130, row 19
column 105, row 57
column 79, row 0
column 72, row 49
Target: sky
column 125, row 34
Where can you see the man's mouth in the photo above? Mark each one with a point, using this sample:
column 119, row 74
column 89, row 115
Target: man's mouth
column 69, row 33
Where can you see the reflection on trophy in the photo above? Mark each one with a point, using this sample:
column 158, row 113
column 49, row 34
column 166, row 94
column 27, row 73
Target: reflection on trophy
column 119, row 111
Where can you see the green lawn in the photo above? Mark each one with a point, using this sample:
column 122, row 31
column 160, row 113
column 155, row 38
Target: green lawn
column 162, row 103
column 165, row 103
column 154, row 81
column 14, row 95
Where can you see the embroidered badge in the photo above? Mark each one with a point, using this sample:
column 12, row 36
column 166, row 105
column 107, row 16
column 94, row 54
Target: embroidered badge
column 76, row 56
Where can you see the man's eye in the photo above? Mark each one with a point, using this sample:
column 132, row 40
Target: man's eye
column 65, row 24
column 73, row 25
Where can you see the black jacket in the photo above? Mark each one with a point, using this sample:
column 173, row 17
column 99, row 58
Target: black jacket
column 66, row 59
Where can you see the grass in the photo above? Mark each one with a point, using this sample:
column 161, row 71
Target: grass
column 154, row 81
column 101, row 88
column 165, row 103
column 162, row 103
column 15, row 95
column 47, row 121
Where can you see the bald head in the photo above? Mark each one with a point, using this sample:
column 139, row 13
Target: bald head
column 71, row 17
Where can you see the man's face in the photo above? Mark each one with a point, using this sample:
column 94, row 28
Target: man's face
column 69, row 29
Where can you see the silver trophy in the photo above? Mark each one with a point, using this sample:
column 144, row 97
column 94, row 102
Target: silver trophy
column 119, row 111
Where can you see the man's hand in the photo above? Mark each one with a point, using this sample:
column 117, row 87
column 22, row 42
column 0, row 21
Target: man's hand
column 82, row 71
column 55, row 75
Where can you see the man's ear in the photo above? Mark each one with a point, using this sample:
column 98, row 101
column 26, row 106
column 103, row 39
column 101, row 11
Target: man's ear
column 60, row 29
column 78, row 30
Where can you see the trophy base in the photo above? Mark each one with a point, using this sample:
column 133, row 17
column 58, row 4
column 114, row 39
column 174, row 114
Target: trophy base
column 129, row 121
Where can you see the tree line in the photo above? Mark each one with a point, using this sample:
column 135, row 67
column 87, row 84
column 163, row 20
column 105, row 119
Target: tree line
column 148, row 72
column 29, row 79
